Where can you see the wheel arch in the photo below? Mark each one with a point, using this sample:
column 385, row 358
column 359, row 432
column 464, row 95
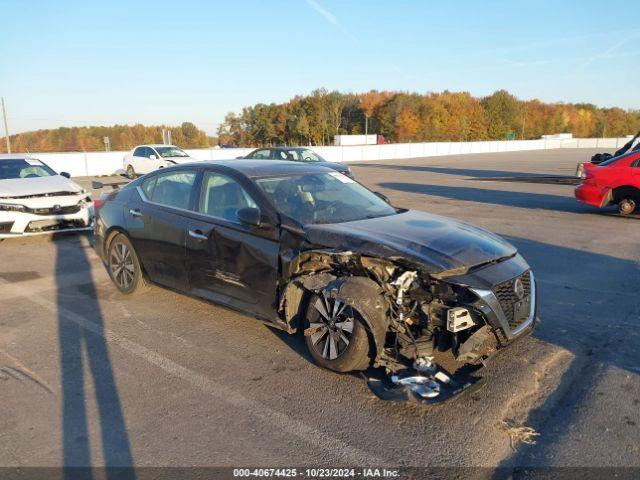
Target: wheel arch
column 110, row 234
column 366, row 296
column 362, row 293
column 624, row 191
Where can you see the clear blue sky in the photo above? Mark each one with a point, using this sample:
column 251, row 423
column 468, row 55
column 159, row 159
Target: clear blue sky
column 65, row 63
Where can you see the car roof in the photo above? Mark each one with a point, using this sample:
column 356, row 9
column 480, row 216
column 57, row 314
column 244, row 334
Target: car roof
column 156, row 145
column 262, row 168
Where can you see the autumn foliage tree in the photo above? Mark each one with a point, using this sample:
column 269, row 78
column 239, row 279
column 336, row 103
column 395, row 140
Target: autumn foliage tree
column 369, row 102
column 121, row 137
column 400, row 116
column 413, row 117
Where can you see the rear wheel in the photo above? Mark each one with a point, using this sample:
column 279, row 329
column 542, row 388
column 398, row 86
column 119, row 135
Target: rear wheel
column 627, row 206
column 131, row 173
column 335, row 335
column 123, row 265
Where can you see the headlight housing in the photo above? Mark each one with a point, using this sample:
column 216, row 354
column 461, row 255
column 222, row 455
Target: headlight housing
column 10, row 207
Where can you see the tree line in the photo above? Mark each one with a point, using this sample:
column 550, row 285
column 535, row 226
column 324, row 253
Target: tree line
column 411, row 117
column 399, row 116
column 88, row 139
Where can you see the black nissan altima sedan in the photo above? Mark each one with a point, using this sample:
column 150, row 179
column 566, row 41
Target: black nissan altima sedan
column 305, row 248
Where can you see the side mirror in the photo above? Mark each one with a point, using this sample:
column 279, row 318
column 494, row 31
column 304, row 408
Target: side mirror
column 249, row 216
column 383, row 197
column 152, row 157
column 65, row 175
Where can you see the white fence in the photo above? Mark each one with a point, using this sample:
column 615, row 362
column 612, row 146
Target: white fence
column 106, row 163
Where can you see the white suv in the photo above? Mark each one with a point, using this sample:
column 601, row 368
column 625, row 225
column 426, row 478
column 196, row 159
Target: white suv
column 147, row 158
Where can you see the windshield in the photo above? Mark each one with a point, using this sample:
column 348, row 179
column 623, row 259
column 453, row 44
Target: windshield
column 171, row 152
column 298, row 155
column 323, row 198
column 24, row 168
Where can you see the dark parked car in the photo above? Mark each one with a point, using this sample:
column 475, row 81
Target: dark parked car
column 304, row 247
column 297, row 154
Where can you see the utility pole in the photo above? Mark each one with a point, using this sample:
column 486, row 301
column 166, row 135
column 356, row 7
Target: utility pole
column 6, row 128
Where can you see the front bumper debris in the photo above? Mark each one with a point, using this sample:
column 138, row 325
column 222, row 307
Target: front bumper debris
column 425, row 383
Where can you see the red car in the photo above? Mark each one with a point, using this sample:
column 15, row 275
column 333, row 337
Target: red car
column 613, row 182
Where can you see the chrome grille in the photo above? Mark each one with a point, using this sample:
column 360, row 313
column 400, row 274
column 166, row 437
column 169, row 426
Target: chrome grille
column 55, row 211
column 508, row 299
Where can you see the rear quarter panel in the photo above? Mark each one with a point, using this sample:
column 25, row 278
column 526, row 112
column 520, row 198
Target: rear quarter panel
column 110, row 217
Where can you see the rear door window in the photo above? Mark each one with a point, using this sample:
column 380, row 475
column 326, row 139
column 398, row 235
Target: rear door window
column 148, row 186
column 262, row 154
column 287, row 155
column 171, row 189
column 138, row 152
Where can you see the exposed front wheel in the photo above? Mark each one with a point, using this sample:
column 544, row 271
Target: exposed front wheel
column 123, row 265
column 131, row 173
column 627, row 206
column 335, row 334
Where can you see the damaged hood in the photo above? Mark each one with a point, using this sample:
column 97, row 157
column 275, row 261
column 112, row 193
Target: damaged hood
column 22, row 187
column 440, row 244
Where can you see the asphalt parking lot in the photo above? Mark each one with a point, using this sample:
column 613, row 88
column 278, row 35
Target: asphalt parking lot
column 89, row 376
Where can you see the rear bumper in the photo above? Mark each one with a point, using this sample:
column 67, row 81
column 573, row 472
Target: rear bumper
column 592, row 195
column 19, row 224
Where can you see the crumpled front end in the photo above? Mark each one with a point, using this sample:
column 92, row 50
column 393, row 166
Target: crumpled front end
column 41, row 214
column 468, row 316
column 438, row 331
column 442, row 331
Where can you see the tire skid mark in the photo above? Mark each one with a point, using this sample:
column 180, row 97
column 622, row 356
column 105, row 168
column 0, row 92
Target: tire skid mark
column 21, row 374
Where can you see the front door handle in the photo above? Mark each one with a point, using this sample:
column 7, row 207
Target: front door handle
column 197, row 234
column 135, row 212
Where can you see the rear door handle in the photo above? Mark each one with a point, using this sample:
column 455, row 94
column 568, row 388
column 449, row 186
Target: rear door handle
column 135, row 212
column 197, row 234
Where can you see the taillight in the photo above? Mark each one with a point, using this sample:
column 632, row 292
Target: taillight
column 98, row 203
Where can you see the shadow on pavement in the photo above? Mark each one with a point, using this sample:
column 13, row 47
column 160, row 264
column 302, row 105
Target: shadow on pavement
column 294, row 341
column 496, row 197
column 465, row 172
column 84, row 354
column 584, row 308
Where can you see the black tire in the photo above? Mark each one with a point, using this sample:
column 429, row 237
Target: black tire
column 124, row 266
column 627, row 206
column 336, row 333
column 131, row 173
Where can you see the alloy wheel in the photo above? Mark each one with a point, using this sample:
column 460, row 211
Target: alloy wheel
column 332, row 332
column 122, row 266
column 627, row 206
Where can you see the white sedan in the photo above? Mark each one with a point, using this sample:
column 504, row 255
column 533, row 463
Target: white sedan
column 34, row 199
column 147, row 158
